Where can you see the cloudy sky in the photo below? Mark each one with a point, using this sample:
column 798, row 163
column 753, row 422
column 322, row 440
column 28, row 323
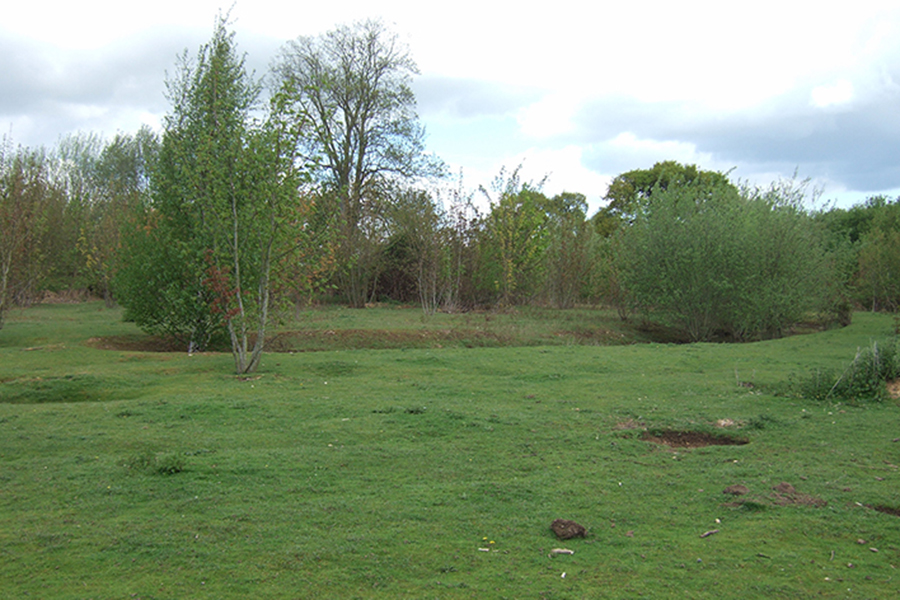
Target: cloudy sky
column 576, row 91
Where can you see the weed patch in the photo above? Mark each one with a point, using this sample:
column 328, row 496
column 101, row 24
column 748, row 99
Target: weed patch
column 166, row 463
column 866, row 378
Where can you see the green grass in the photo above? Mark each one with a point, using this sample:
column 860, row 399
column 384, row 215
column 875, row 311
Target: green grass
column 380, row 473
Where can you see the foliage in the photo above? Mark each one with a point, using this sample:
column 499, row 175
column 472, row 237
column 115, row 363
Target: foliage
column 422, row 236
column 26, row 194
column 352, row 84
column 225, row 204
column 120, row 175
column 878, row 278
column 567, row 255
column 713, row 260
column 629, row 191
column 516, row 237
column 863, row 379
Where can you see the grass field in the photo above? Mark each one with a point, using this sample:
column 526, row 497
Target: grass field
column 433, row 466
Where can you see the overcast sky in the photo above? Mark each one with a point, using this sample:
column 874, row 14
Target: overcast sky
column 575, row 90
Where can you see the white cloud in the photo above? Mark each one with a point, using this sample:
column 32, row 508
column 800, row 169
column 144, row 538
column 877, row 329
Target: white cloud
column 551, row 116
column 840, row 92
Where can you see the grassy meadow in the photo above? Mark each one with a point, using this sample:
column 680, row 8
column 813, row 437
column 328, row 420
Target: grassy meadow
column 431, row 463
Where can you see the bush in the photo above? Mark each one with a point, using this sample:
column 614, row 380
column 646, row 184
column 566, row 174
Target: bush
column 864, row 378
column 721, row 262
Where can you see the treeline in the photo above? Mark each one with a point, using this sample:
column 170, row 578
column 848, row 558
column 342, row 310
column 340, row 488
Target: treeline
column 318, row 187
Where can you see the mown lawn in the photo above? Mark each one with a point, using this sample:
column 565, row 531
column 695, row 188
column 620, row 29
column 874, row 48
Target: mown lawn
column 387, row 473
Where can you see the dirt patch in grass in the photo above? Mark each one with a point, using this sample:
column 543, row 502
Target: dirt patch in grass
column 310, row 340
column 893, row 388
column 888, row 510
column 330, row 339
column 690, row 439
column 783, row 494
column 136, row 343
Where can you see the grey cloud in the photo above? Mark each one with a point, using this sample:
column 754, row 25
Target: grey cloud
column 47, row 93
column 855, row 145
column 469, row 98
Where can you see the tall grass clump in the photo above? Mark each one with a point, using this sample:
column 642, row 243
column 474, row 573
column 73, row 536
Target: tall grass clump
column 864, row 379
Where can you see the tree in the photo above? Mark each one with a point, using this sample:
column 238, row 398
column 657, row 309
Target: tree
column 225, row 198
column 352, row 85
column 516, row 238
column 715, row 261
column 422, row 234
column 878, row 256
column 25, row 192
column 567, row 253
column 120, row 175
column 628, row 191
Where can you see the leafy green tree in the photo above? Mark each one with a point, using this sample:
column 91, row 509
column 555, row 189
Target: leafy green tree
column 25, row 194
column 628, row 191
column 352, row 85
column 713, row 261
column 567, row 254
column 878, row 256
column 516, row 238
column 422, row 229
column 120, row 175
column 225, row 199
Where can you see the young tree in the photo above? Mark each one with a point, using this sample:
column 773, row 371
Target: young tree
column 420, row 225
column 567, row 253
column 516, row 237
column 120, row 176
column 225, row 198
column 25, row 192
column 352, row 85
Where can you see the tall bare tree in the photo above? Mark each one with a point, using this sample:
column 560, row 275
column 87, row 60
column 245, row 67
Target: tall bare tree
column 352, row 85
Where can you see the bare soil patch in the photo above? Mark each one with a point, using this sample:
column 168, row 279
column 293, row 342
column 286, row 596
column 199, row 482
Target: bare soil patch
column 691, row 439
column 136, row 343
column 893, row 388
column 784, row 494
column 888, row 510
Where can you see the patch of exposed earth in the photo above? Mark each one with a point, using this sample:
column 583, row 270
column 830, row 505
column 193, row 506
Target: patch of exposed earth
column 783, row 494
column 331, row 339
column 691, row 439
column 893, row 388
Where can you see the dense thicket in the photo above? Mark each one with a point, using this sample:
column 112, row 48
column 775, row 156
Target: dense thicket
column 715, row 261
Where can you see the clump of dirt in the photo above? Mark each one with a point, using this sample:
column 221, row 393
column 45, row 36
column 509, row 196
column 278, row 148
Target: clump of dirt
column 786, row 495
column 691, row 439
column 566, row 530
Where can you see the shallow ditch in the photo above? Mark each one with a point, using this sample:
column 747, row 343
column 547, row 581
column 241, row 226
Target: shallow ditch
column 691, row 439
